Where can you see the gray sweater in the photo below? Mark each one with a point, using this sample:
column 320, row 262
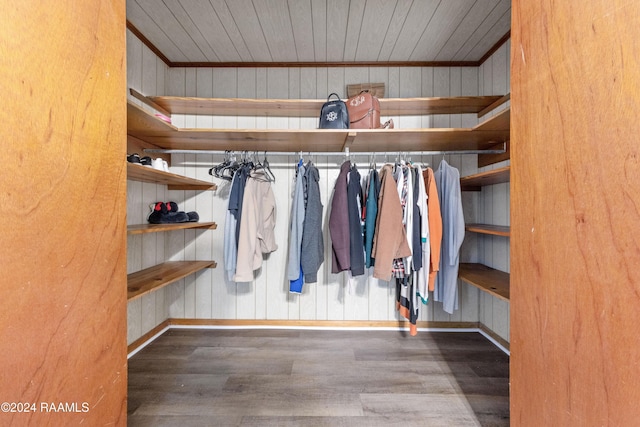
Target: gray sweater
column 312, row 254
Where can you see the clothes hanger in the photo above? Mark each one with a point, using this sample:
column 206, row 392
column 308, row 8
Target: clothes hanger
column 219, row 170
column 372, row 161
column 267, row 169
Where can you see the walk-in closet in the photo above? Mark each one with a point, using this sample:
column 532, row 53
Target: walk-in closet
column 162, row 159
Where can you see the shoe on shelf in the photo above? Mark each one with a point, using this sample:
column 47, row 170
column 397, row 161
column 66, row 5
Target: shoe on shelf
column 133, row 158
column 160, row 164
column 193, row 216
column 173, row 207
column 145, row 161
column 160, row 214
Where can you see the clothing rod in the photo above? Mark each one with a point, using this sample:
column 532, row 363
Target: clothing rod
column 323, row 153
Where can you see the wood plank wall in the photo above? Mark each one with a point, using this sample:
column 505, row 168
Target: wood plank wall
column 575, row 278
column 493, row 201
column 208, row 295
column 146, row 74
column 62, row 258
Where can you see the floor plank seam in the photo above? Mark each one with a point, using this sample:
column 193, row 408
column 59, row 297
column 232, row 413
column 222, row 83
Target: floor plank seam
column 312, row 328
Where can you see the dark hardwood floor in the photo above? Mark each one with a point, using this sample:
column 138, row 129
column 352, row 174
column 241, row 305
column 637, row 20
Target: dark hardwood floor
column 271, row 377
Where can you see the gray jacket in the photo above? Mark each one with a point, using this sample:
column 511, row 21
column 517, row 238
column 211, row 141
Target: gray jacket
column 312, row 254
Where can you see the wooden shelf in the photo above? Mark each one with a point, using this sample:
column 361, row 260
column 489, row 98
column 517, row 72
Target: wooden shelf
column 144, row 281
column 495, row 230
column 137, row 172
column 493, row 281
column 477, row 181
column 149, row 128
column 311, row 107
column 157, row 228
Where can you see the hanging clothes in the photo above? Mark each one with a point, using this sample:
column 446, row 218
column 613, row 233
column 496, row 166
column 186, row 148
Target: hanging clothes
column 339, row 223
column 371, row 214
column 230, row 246
column 236, row 197
column 312, row 251
column 257, row 228
column 402, row 266
column 448, row 183
column 406, row 303
column 390, row 239
column 435, row 225
column 416, row 221
column 422, row 279
column 294, row 270
column 406, row 299
column 356, row 240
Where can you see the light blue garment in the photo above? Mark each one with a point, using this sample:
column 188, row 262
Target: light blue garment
column 295, row 237
column 446, row 286
column 230, row 247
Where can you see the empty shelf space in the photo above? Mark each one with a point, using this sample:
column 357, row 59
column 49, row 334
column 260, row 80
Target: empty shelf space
column 311, row 107
column 144, row 281
column 477, row 181
column 487, row 279
column 495, row 230
column 137, row 172
column 158, row 228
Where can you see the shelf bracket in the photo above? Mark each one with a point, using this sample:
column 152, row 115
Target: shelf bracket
column 348, row 142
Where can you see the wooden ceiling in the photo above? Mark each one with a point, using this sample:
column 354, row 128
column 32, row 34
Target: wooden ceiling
column 320, row 32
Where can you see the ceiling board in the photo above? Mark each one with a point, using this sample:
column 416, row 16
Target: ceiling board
column 302, row 24
column 446, row 19
column 417, row 20
column 398, row 19
column 466, row 28
column 226, row 32
column 275, row 23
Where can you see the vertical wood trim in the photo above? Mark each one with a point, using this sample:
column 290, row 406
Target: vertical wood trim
column 63, row 257
column 575, row 282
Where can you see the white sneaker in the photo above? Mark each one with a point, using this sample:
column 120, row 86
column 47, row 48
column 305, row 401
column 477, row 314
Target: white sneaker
column 165, row 166
column 158, row 164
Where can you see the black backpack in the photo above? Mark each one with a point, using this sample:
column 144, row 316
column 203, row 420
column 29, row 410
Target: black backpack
column 334, row 114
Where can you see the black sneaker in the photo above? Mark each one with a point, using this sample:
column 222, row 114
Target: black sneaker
column 133, row 158
column 160, row 214
column 193, row 216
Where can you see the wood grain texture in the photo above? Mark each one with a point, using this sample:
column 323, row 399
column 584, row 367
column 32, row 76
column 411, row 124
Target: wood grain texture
column 174, row 181
column 475, row 182
column 144, row 126
column 144, row 281
column 495, row 230
column 575, row 216
column 318, row 378
column 487, row 279
column 311, row 107
column 158, row 228
column 63, row 180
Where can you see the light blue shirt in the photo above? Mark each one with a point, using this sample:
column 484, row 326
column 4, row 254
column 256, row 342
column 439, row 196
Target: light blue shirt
column 446, row 286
